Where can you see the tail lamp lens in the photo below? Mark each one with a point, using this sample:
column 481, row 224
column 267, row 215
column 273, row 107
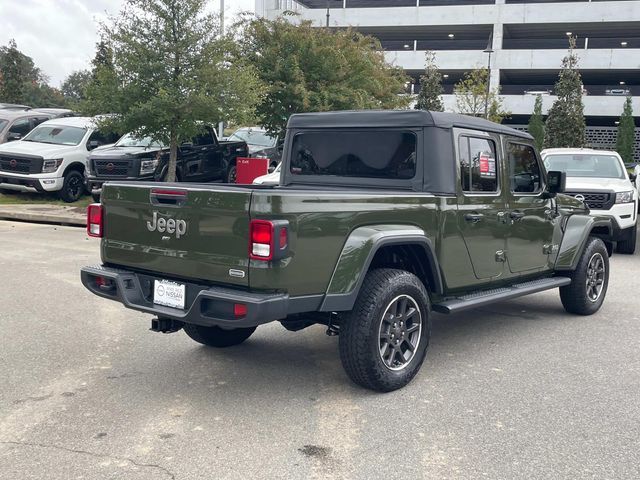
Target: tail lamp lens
column 94, row 220
column 261, row 234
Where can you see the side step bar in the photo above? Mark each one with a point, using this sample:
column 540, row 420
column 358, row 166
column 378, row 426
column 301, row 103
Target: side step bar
column 485, row 297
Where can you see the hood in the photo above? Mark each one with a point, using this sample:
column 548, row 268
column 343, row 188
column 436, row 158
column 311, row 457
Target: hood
column 575, row 184
column 45, row 150
column 259, row 148
column 272, row 178
column 124, row 152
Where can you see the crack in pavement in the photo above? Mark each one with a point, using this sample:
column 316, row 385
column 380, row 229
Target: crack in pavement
column 92, row 454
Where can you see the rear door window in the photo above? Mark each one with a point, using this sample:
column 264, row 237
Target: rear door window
column 388, row 154
column 203, row 139
column 478, row 164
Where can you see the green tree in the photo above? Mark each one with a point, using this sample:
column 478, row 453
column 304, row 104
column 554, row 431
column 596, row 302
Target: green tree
column 22, row 82
column 430, row 86
column 626, row 133
column 536, row 124
column 171, row 71
column 472, row 95
column 74, row 87
column 565, row 125
column 17, row 72
column 309, row 69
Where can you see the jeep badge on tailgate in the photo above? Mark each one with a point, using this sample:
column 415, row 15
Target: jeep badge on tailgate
column 171, row 226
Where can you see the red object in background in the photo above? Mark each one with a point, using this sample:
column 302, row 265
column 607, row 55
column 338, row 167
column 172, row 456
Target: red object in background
column 484, row 164
column 248, row 169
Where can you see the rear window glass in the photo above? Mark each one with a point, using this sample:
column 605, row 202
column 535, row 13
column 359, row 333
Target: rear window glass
column 367, row 154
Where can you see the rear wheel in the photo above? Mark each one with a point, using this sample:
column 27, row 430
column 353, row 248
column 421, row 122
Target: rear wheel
column 216, row 336
column 72, row 187
column 232, row 173
column 383, row 340
column 589, row 281
column 628, row 245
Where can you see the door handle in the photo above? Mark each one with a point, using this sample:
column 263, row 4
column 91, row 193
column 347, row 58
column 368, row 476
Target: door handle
column 473, row 217
column 516, row 215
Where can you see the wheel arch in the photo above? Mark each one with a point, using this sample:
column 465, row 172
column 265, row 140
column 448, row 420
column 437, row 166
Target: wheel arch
column 74, row 166
column 381, row 246
column 577, row 231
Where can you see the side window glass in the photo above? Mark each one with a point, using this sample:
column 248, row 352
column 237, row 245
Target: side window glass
column 21, row 126
column 38, row 120
column 203, row 139
column 478, row 164
column 524, row 170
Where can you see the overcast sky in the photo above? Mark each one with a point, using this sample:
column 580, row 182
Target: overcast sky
column 60, row 35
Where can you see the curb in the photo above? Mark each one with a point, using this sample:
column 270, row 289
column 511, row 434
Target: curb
column 42, row 218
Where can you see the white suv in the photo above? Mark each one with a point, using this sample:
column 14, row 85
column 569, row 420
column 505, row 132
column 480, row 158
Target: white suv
column 51, row 158
column 600, row 180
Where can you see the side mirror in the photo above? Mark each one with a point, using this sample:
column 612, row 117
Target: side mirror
column 11, row 136
column 93, row 144
column 556, row 182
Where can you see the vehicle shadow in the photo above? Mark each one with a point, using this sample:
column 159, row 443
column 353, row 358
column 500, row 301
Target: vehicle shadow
column 274, row 360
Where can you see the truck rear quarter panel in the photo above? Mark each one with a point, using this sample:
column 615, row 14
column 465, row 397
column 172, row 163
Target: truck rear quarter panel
column 321, row 223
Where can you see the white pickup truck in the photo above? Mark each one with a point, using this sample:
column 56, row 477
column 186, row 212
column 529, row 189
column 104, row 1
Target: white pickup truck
column 600, row 179
column 51, row 158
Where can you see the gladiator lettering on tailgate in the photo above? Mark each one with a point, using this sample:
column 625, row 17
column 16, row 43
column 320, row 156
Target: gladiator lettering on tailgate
column 169, row 225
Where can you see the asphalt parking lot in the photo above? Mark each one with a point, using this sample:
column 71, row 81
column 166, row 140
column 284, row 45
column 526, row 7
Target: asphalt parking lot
column 515, row 390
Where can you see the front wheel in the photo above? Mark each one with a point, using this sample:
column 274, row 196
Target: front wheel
column 628, row 245
column 216, row 336
column 383, row 340
column 72, row 187
column 589, row 281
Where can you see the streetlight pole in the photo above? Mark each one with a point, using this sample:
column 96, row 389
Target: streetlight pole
column 328, row 15
column 488, row 50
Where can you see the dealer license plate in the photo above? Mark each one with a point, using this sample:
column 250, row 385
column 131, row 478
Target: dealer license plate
column 168, row 293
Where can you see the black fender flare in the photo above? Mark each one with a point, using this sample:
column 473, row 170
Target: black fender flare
column 358, row 253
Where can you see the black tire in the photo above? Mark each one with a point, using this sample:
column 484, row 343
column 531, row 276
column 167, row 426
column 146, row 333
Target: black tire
column 231, row 173
column 579, row 297
column 216, row 336
column 72, row 187
column 362, row 346
column 628, row 245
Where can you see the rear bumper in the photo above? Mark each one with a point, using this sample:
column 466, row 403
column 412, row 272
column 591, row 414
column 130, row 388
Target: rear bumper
column 205, row 305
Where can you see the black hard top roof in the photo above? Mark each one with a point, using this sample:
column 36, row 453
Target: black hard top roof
column 397, row 118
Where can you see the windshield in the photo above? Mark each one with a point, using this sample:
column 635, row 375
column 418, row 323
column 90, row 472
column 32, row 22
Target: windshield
column 254, row 137
column 56, row 135
column 585, row 165
column 129, row 140
column 3, row 123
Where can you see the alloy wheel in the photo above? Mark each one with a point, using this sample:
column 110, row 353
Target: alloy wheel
column 399, row 332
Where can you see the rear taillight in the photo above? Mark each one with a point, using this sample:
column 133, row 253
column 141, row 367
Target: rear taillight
column 94, row 220
column 261, row 245
column 268, row 240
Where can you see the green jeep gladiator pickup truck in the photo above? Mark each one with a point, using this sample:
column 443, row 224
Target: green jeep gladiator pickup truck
column 380, row 219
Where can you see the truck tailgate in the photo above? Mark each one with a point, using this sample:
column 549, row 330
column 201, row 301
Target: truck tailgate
column 193, row 232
